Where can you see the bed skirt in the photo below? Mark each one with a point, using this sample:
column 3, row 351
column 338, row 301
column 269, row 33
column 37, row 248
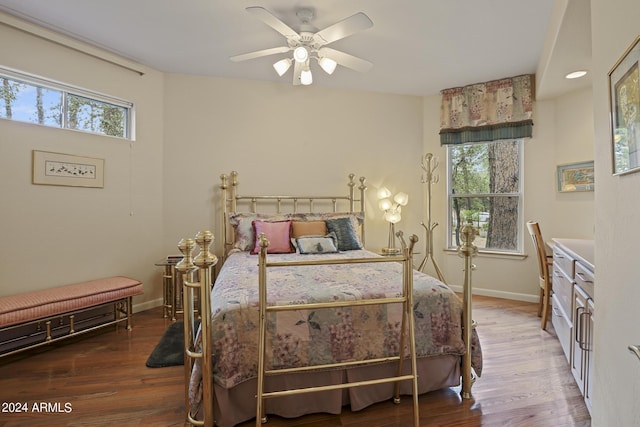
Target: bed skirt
column 238, row 404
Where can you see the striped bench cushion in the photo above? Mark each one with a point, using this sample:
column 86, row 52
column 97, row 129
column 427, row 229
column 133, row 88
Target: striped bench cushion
column 35, row 305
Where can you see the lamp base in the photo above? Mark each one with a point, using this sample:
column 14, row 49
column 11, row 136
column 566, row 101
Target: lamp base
column 391, row 251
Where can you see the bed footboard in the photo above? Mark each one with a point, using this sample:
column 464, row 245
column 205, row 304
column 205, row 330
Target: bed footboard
column 407, row 322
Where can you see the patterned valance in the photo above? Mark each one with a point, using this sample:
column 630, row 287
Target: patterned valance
column 499, row 109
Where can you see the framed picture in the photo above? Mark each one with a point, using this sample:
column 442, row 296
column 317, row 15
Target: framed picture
column 576, row 177
column 67, row 169
column 624, row 99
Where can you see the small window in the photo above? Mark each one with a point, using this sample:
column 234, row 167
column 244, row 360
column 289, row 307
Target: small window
column 485, row 189
column 33, row 99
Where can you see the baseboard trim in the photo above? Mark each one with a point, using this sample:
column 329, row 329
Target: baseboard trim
column 147, row 305
column 499, row 294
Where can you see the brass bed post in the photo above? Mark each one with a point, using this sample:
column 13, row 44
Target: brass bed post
column 407, row 315
column 262, row 289
column 234, row 190
column 186, row 267
column 224, row 185
column 203, row 262
column 467, row 250
column 228, row 186
column 362, row 189
column 352, row 196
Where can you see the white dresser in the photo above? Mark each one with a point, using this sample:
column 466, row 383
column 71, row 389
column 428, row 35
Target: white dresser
column 572, row 307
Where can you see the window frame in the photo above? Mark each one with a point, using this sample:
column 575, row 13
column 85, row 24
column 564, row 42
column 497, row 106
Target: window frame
column 66, row 90
column 519, row 251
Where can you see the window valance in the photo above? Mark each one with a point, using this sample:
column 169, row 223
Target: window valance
column 499, row 109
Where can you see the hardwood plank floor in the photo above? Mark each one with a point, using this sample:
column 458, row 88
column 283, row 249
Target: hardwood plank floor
column 101, row 380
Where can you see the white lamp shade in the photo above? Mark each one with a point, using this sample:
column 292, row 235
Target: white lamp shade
column 384, row 204
column 305, row 77
column 328, row 64
column 384, row 193
column 401, row 199
column 392, row 217
column 282, row 66
column 300, row 54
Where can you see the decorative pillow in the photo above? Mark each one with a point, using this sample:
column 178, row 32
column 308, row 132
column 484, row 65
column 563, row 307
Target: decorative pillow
column 346, row 233
column 356, row 217
column 308, row 228
column 277, row 232
column 317, row 244
column 242, row 223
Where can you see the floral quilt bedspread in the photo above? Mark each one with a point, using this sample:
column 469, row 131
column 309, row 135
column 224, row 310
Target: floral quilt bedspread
column 319, row 336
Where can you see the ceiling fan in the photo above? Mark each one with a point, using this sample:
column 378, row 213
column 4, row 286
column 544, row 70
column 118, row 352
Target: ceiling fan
column 307, row 44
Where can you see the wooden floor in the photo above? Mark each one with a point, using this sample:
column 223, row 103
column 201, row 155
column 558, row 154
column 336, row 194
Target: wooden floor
column 102, row 380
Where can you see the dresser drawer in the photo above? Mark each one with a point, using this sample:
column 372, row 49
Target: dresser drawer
column 562, row 325
column 563, row 261
column 562, row 287
column 585, row 279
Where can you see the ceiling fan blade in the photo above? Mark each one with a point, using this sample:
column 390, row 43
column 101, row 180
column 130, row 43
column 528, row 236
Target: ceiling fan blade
column 260, row 53
column 271, row 20
column 346, row 60
column 297, row 71
column 342, row 29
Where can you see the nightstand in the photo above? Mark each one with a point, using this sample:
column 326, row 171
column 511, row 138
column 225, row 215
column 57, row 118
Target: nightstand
column 171, row 287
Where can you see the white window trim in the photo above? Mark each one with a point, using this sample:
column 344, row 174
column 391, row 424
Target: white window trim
column 517, row 253
column 75, row 90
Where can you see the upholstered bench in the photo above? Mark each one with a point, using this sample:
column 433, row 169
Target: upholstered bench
column 37, row 318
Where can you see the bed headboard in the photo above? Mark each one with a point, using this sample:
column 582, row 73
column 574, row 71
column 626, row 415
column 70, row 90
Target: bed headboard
column 232, row 201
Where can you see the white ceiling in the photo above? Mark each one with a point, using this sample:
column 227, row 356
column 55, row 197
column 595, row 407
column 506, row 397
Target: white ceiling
column 418, row 47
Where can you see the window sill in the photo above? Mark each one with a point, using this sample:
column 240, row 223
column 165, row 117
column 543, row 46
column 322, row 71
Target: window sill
column 492, row 254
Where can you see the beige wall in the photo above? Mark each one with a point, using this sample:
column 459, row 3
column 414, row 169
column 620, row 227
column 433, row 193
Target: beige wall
column 59, row 235
column 617, row 290
column 285, row 140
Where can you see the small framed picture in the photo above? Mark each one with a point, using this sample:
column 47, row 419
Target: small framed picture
column 67, row 170
column 576, row 177
column 624, row 100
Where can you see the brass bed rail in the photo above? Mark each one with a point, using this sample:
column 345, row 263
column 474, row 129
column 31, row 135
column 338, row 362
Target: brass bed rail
column 407, row 317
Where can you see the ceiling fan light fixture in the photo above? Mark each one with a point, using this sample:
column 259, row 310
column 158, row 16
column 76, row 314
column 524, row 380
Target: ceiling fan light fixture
column 282, row 66
column 327, row 64
column 301, row 54
column 305, row 77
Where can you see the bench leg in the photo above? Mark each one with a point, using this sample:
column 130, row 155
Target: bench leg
column 129, row 312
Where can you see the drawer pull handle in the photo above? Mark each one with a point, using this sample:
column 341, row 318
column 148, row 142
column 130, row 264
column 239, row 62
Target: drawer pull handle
column 582, row 277
column 635, row 349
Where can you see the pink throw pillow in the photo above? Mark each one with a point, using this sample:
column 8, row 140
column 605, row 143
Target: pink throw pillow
column 277, row 232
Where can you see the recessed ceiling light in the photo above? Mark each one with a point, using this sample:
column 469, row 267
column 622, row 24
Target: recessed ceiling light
column 576, row 74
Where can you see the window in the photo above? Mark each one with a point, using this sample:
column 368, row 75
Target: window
column 485, row 188
column 34, row 99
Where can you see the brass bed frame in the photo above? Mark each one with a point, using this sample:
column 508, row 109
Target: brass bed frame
column 205, row 261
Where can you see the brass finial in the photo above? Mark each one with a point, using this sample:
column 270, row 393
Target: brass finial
column 186, row 264
column 205, row 258
column 468, row 234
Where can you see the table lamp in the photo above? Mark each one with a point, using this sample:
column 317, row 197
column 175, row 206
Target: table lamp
column 392, row 209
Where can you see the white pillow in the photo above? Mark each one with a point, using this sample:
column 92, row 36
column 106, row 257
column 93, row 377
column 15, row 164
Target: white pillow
column 317, row 244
